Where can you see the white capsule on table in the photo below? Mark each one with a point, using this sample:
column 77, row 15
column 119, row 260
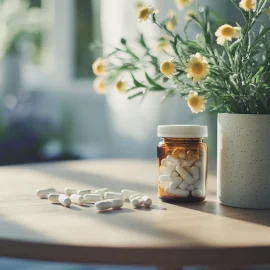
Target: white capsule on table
column 64, row 200
column 198, row 164
column 113, row 195
column 183, row 186
column 101, row 191
column 43, row 193
column 173, row 160
column 195, row 172
column 197, row 193
column 53, row 197
column 190, row 187
column 82, row 192
column 147, row 202
column 136, row 202
column 77, row 199
column 117, row 203
column 175, row 183
column 128, row 192
column 169, row 170
column 70, row 191
column 103, row 205
column 187, row 162
column 92, row 198
column 185, row 175
column 135, row 196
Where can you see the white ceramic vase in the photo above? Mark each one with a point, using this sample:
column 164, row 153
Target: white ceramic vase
column 243, row 169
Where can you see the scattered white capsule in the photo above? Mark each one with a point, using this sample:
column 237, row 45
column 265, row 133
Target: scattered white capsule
column 195, row 172
column 197, row 193
column 187, row 162
column 128, row 192
column 135, row 195
column 53, row 197
column 77, row 199
column 136, row 202
column 64, row 200
column 175, row 183
column 92, row 198
column 147, row 202
column 103, row 205
column 198, row 164
column 168, row 170
column 101, row 191
column 113, row 195
column 117, row 203
column 183, row 186
column 190, row 187
column 173, row 160
column 43, row 193
column 70, row 191
column 185, row 175
column 84, row 191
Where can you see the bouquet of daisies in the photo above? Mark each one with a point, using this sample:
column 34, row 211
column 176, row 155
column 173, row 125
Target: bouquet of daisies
column 225, row 66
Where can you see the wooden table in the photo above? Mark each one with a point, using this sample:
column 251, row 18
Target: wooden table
column 166, row 235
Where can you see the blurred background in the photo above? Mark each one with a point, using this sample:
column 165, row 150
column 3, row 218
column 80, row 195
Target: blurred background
column 48, row 109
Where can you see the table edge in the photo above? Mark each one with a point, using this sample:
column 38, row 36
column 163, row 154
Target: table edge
column 171, row 256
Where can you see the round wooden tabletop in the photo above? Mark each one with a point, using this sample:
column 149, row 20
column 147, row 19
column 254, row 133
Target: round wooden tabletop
column 170, row 235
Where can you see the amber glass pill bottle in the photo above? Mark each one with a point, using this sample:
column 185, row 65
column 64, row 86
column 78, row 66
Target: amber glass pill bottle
column 182, row 163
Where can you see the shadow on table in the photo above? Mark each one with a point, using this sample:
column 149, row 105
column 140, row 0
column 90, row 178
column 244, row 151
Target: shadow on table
column 90, row 179
column 261, row 217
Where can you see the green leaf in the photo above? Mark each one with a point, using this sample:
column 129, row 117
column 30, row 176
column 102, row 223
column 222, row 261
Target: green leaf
column 151, row 81
column 156, row 88
column 137, row 83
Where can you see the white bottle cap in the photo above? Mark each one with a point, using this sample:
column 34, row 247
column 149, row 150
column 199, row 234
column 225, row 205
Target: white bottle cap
column 182, row 131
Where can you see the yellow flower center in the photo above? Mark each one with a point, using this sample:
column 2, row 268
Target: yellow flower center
column 143, row 13
column 227, row 31
column 268, row 11
column 120, row 86
column 167, row 68
column 197, row 68
column 249, row 4
column 193, row 101
column 100, row 68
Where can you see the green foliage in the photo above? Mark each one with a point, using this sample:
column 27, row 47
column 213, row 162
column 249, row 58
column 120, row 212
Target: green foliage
column 239, row 77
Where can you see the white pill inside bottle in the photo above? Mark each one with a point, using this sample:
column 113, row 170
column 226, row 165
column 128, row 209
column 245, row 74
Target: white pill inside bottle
column 70, row 191
column 113, row 195
column 92, row 198
column 128, row 192
column 77, row 199
column 43, row 193
column 82, row 192
column 64, row 200
column 53, row 197
column 103, row 205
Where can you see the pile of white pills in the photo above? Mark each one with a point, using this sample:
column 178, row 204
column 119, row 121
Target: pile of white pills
column 181, row 175
column 103, row 199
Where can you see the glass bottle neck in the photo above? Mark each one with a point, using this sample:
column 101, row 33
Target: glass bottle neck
column 174, row 140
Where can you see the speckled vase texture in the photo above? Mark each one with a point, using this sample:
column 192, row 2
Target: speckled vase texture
column 243, row 167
